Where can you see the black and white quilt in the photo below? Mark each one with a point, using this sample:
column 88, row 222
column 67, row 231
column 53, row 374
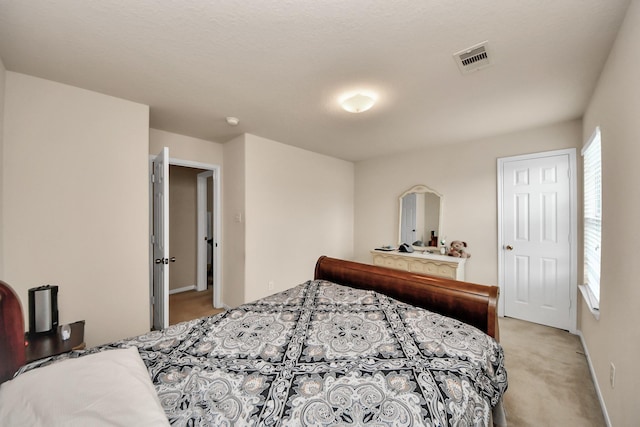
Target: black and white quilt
column 322, row 354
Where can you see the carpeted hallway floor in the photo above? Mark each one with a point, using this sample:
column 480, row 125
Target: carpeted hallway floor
column 549, row 379
column 191, row 305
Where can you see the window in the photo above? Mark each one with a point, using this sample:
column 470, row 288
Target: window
column 591, row 154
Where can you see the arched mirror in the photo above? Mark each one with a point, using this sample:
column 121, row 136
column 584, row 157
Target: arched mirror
column 420, row 216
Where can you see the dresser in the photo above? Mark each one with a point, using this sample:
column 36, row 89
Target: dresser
column 421, row 263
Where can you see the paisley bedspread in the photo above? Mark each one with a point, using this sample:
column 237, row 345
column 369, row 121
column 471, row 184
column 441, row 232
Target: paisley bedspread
column 322, row 354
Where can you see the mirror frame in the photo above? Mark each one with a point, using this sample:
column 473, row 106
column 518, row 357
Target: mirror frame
column 420, row 189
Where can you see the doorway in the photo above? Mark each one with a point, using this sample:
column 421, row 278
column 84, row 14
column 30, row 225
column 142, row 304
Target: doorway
column 192, row 261
column 192, row 240
column 537, row 238
column 185, row 210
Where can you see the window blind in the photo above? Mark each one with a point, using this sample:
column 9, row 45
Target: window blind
column 592, row 214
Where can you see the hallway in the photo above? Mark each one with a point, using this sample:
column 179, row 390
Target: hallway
column 191, row 305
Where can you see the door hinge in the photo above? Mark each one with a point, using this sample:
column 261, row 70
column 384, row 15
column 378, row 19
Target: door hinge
column 153, row 178
column 153, row 239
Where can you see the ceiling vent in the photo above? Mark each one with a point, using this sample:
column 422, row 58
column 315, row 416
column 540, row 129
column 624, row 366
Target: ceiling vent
column 473, row 58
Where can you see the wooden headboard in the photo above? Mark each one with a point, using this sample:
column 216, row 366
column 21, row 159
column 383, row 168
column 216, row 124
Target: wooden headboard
column 468, row 302
column 12, row 353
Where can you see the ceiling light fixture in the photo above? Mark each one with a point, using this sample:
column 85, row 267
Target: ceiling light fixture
column 233, row 121
column 358, row 102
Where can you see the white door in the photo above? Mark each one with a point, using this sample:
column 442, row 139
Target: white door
column 537, row 242
column 204, row 232
column 408, row 233
column 161, row 240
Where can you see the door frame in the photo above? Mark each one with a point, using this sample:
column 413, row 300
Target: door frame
column 573, row 229
column 215, row 188
column 215, row 231
column 201, row 190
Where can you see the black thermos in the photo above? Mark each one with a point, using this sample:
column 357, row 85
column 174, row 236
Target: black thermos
column 43, row 309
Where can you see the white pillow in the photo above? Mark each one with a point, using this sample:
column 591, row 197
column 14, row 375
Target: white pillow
column 107, row 388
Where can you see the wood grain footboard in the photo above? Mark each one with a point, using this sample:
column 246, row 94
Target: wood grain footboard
column 468, row 302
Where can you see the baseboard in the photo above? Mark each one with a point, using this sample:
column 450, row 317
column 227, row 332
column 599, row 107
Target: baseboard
column 595, row 380
column 183, row 289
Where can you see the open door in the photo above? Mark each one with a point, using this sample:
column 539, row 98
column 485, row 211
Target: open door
column 160, row 239
column 204, row 232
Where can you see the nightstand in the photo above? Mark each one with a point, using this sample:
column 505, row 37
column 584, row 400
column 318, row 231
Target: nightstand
column 46, row 345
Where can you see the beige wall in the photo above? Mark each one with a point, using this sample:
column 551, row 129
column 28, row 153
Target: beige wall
column 299, row 206
column 185, row 147
column 2, row 84
column 615, row 338
column 294, row 200
column 233, row 232
column 466, row 176
column 183, row 225
column 76, row 201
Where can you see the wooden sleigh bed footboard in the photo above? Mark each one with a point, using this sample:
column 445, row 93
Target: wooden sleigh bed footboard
column 470, row 303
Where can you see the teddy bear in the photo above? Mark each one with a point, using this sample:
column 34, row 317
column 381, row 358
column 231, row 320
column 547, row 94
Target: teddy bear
column 457, row 249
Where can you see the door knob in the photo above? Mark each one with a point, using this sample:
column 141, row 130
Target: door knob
column 172, row 259
column 509, row 247
column 158, row 260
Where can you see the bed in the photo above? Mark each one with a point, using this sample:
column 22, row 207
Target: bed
column 357, row 345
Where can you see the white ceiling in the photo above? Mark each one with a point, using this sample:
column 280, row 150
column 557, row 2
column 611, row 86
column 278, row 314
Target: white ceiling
column 280, row 65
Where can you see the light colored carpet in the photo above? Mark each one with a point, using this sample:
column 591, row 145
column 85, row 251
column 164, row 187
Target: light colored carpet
column 191, row 305
column 549, row 379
